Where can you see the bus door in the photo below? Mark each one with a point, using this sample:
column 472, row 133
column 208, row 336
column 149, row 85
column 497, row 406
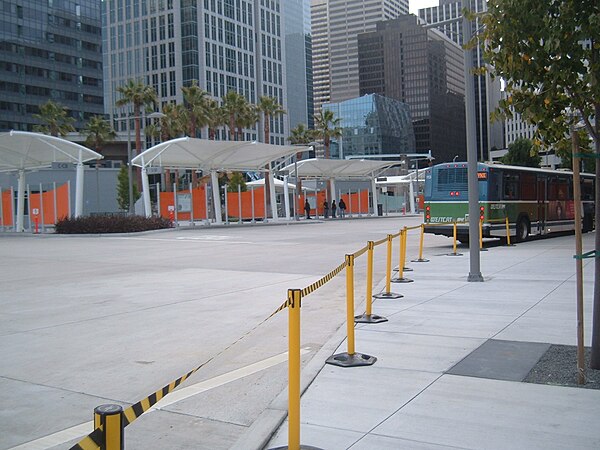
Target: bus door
column 542, row 203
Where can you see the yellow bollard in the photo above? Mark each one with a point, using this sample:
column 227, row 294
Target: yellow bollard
column 401, row 278
column 388, row 273
column 350, row 302
column 369, row 293
column 454, row 253
column 507, row 232
column 421, row 240
column 351, row 358
column 368, row 317
column 480, row 234
column 110, row 419
column 295, row 300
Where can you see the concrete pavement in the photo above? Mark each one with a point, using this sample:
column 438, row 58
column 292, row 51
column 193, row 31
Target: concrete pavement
column 410, row 398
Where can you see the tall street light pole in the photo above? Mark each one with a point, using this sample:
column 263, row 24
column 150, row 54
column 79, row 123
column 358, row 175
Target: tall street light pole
column 472, row 182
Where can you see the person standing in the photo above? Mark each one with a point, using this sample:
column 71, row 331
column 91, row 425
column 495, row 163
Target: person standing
column 333, row 208
column 342, row 208
column 325, row 209
column 307, row 209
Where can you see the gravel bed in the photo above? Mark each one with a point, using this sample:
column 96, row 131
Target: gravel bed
column 558, row 366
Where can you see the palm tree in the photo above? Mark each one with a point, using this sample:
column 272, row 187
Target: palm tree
column 269, row 108
column 300, row 135
column 196, row 105
column 98, row 132
column 217, row 116
column 56, row 121
column 234, row 105
column 139, row 95
column 247, row 118
column 327, row 126
column 171, row 125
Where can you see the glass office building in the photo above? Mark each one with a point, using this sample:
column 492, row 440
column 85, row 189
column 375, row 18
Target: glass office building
column 372, row 125
column 49, row 51
column 228, row 45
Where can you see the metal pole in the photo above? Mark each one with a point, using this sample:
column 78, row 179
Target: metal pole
column 240, row 204
column 226, row 205
column 19, row 226
column 473, row 187
column 129, row 168
column 42, row 207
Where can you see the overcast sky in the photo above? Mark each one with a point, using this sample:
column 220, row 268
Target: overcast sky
column 415, row 5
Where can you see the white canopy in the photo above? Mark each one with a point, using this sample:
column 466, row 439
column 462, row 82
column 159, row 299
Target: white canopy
column 212, row 156
column 338, row 168
column 192, row 153
column 22, row 150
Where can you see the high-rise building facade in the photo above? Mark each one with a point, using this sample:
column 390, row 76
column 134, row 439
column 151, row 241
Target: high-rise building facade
column 487, row 92
column 227, row 45
column 372, row 125
column 335, row 26
column 298, row 62
column 423, row 68
column 49, row 51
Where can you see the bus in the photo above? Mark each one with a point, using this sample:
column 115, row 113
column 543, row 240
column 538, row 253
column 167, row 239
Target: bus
column 535, row 201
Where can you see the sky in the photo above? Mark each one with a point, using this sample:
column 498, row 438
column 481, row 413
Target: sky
column 415, row 5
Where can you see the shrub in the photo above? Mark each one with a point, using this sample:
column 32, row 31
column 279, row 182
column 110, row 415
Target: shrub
column 100, row 224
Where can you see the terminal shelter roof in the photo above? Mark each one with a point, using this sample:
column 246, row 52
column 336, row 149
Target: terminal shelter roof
column 22, row 150
column 191, row 153
column 338, row 168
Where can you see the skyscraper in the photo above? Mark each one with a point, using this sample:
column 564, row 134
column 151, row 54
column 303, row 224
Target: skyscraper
column 487, row 92
column 49, row 51
column 298, row 62
column 335, row 25
column 423, row 68
column 228, row 45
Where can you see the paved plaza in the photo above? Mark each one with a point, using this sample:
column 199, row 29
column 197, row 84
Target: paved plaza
column 89, row 320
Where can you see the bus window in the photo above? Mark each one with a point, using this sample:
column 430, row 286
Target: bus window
column 558, row 189
column 511, row 186
column 528, row 187
column 587, row 189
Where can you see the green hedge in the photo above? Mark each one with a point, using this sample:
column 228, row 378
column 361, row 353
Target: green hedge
column 110, row 224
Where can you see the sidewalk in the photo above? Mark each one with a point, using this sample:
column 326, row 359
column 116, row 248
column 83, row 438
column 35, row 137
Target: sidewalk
column 451, row 360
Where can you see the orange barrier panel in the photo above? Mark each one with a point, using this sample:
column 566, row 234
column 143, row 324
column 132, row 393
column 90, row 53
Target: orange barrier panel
column 7, row 209
column 352, row 206
column 198, row 203
column 320, row 198
column 259, row 204
column 46, row 208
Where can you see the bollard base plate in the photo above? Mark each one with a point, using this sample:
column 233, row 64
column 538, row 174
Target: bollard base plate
column 302, row 447
column 371, row 318
column 388, row 295
column 406, row 269
column 354, row 360
column 419, row 260
column 454, row 254
column 401, row 280
column 483, row 249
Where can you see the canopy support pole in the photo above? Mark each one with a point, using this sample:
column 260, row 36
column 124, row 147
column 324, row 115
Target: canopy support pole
column 146, row 191
column 216, row 196
column 20, row 202
column 375, row 196
column 332, row 189
column 272, row 195
column 286, row 197
column 79, row 188
column 411, row 197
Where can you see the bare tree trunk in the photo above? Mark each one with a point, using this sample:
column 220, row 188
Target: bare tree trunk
column 595, row 358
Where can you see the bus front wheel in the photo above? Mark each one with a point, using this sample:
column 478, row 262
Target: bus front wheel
column 522, row 230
